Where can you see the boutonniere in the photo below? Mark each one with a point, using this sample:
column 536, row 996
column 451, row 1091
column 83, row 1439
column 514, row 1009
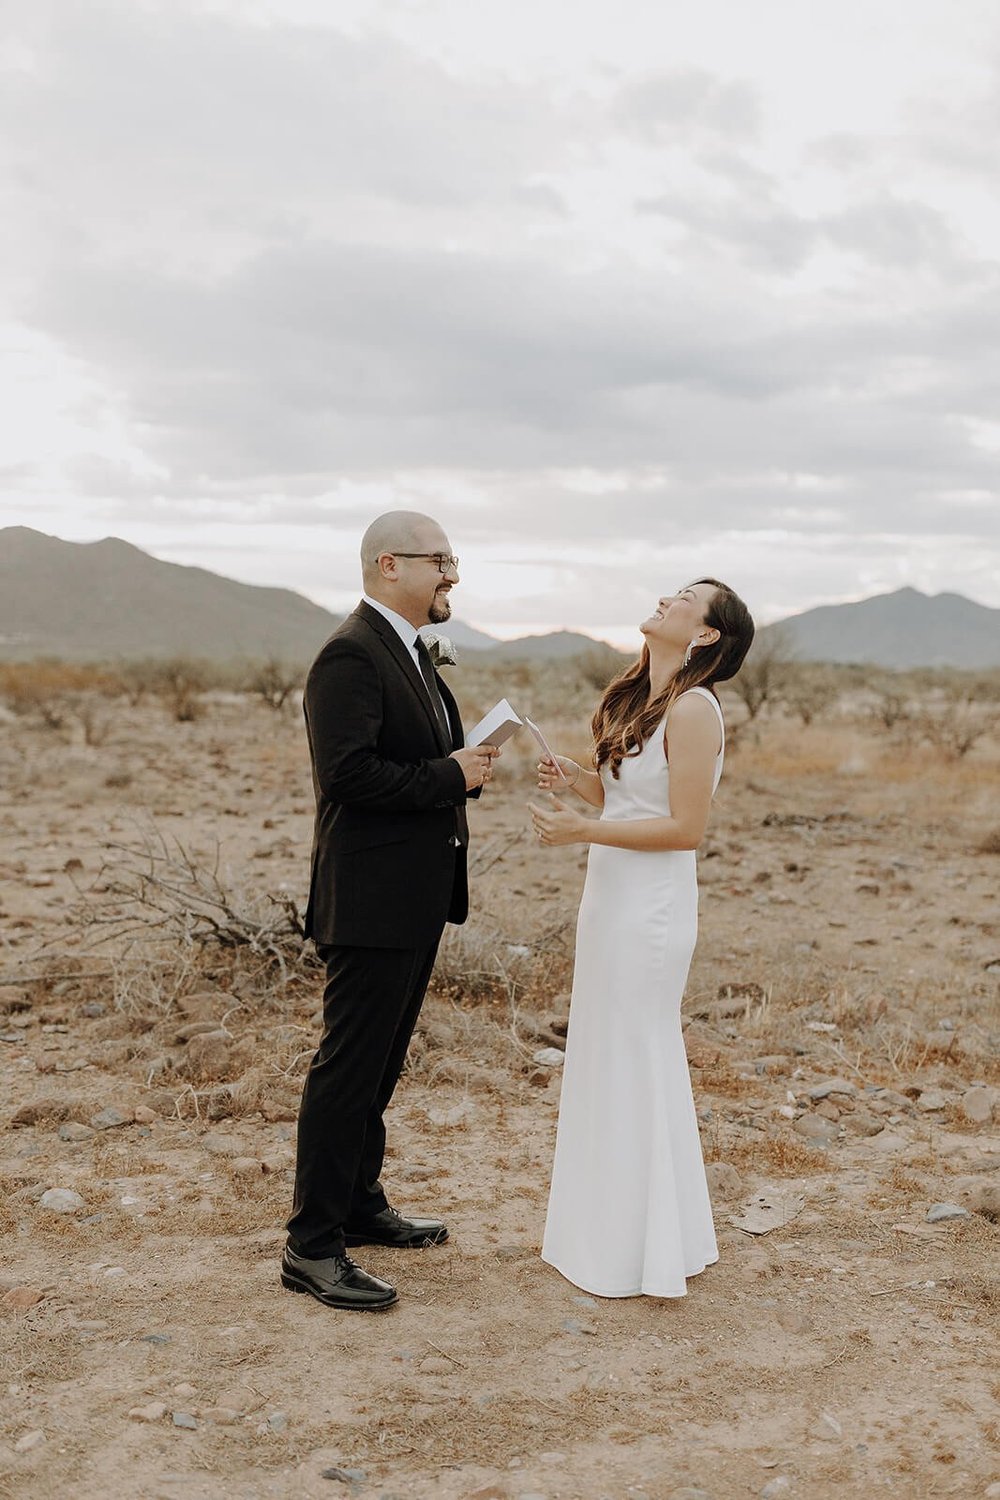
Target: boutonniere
column 441, row 649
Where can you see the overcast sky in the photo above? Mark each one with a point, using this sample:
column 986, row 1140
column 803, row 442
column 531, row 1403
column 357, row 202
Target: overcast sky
column 623, row 293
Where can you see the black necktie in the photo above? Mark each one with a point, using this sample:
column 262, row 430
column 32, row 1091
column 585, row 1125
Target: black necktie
column 427, row 673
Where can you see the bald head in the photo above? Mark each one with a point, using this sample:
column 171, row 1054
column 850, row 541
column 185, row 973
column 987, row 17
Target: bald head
column 398, row 531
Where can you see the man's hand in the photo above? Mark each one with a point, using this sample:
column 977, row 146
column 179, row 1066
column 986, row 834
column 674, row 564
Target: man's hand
column 477, row 763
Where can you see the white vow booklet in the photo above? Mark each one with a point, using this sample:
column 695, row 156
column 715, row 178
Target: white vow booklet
column 500, row 723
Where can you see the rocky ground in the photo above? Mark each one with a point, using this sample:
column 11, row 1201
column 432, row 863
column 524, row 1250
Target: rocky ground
column 844, row 1035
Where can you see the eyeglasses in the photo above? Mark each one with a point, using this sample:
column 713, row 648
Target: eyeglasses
column 444, row 564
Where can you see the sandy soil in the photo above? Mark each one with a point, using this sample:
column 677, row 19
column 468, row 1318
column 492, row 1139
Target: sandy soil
column 849, row 933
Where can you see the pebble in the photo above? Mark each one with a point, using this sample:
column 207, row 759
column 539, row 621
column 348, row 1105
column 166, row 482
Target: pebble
column 195, row 1028
column 222, row 1416
column 93, row 1009
column 992, row 1491
column 977, row 1105
column 931, row 1100
column 184, row 1419
column 939, row 1213
column 776, row 1487
column 185, row 1390
column 723, row 1180
column 434, row 1364
column 277, row 1421
column 30, row 1441
column 886, row 1140
column 145, row 1116
column 111, row 1118
column 827, row 1429
column 221, row 1144
column 155, row 1411
column 75, row 1130
column 210, row 1054
column 816, row 1128
column 549, row 1057
column 831, row 1086
column 574, row 1325
column 61, row 1201
column 247, row 1166
column 346, row 1476
column 21, row 1298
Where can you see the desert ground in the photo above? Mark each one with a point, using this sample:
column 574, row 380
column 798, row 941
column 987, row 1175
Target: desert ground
column 157, row 1014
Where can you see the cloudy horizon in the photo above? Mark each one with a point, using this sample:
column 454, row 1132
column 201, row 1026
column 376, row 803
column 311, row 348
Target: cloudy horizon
column 620, row 303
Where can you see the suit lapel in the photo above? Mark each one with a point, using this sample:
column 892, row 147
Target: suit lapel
column 390, row 639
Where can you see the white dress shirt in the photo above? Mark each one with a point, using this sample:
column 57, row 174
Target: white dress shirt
column 407, row 633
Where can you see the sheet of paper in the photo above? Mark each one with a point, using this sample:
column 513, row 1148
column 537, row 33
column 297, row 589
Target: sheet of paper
column 544, row 747
column 495, row 727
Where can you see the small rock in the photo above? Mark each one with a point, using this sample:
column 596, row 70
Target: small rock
column 776, row 1487
column 145, row 1116
column 828, row 1110
column 723, row 1180
column 931, row 1100
column 59, row 1200
column 277, row 1421
column 246, row 1166
column 827, row 1429
column 816, row 1128
column 549, row 1057
column 111, row 1118
column 195, row 1028
column 210, row 1054
column 434, row 1364
column 220, row 1144
column 93, row 1009
column 154, row 1412
column 831, row 1086
column 977, row 1105
column 939, row 1213
column 186, row 1420
column 20, row 1299
column 887, row 1141
column 185, row 1390
column 345, row 1476
column 75, row 1130
column 30, row 1441
column 992, row 1491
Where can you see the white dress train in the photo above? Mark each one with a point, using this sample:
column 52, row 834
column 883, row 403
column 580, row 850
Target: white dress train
column 629, row 1211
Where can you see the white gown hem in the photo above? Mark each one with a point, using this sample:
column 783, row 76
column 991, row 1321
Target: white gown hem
column 638, row 1291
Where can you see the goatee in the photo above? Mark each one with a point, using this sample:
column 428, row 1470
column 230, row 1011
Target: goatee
column 440, row 610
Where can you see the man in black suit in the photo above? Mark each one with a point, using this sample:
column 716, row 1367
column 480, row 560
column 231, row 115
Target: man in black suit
column 388, row 870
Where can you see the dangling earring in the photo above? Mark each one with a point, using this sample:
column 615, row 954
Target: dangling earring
column 689, row 653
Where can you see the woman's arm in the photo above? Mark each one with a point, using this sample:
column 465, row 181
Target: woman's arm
column 694, row 744
column 586, row 784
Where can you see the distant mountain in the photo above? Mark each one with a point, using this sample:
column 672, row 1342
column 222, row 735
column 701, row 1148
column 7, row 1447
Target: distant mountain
column 560, row 643
column 89, row 601
column 903, row 629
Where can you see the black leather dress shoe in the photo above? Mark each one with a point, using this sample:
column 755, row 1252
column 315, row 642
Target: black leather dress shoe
column 390, row 1228
column 336, row 1282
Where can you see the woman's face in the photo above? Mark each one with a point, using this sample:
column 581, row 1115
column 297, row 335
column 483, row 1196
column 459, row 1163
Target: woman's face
column 679, row 618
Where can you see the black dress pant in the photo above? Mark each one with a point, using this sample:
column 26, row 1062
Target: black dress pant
column 370, row 1007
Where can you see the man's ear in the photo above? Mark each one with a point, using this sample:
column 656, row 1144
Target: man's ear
column 387, row 565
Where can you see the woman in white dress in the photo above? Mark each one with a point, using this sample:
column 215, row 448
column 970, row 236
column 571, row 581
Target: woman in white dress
column 629, row 1211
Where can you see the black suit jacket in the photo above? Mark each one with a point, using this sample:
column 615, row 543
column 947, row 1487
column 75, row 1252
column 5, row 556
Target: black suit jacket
column 389, row 864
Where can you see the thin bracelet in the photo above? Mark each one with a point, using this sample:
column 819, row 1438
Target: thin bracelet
column 576, row 778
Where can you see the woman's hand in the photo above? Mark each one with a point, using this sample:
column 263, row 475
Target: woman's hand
column 558, row 824
column 549, row 779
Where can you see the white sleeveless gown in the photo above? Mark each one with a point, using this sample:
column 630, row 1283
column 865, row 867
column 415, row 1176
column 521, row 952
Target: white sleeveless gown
column 629, row 1211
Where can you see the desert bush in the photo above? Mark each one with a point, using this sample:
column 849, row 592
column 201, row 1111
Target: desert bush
column 273, row 681
column 180, row 682
column 808, row 690
column 765, row 671
column 52, row 691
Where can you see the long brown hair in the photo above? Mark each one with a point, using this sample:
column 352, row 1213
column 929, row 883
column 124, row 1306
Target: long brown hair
column 625, row 718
